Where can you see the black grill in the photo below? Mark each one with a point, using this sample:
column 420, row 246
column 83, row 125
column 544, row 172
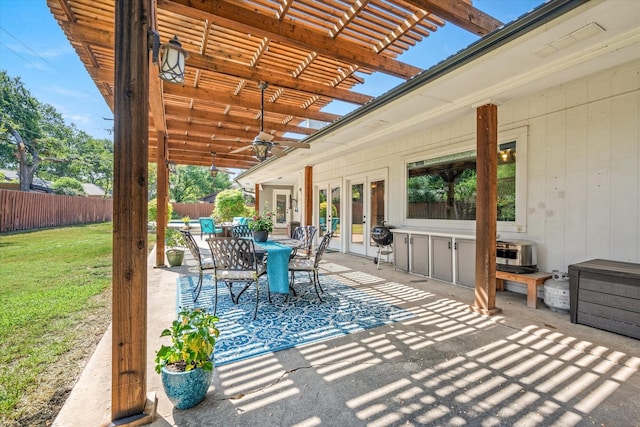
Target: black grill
column 382, row 235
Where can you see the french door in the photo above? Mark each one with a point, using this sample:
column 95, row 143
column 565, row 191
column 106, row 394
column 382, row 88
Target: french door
column 366, row 208
column 281, row 207
column 329, row 212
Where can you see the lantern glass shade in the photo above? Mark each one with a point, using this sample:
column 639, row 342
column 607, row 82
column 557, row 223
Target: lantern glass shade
column 172, row 64
column 213, row 170
column 261, row 149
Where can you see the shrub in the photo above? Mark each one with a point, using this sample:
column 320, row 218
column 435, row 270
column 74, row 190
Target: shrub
column 229, row 203
column 152, row 210
column 68, row 187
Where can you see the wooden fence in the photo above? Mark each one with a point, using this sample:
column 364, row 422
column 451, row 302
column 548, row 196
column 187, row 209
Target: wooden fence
column 20, row 210
column 192, row 210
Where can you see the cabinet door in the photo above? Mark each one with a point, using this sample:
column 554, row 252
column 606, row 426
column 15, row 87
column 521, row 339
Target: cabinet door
column 401, row 251
column 441, row 258
column 419, row 254
column 465, row 262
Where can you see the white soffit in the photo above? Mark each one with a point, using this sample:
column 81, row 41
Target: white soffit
column 591, row 38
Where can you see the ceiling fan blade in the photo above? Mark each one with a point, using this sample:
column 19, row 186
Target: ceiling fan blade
column 264, row 136
column 278, row 151
column 293, row 144
column 237, row 150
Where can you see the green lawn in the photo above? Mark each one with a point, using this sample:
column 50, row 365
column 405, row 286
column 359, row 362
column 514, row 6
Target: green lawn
column 55, row 298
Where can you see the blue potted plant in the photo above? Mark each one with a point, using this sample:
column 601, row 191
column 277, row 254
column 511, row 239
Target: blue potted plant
column 186, row 365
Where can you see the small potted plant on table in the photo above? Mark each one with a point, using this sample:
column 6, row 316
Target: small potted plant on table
column 186, row 366
column 262, row 225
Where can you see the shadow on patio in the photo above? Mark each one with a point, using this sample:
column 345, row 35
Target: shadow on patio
column 444, row 366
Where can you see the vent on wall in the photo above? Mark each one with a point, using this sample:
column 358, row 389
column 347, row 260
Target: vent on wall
column 570, row 39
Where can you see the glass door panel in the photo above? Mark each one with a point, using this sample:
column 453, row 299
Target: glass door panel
column 335, row 215
column 376, row 205
column 357, row 214
column 281, row 208
column 322, row 211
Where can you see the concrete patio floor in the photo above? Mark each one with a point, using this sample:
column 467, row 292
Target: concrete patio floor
column 446, row 366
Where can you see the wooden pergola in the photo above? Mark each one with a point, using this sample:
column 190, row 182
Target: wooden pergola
column 310, row 52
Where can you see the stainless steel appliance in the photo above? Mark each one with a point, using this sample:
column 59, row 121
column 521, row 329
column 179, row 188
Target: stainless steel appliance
column 516, row 256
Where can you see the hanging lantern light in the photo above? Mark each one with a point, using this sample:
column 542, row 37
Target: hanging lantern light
column 213, row 170
column 260, row 146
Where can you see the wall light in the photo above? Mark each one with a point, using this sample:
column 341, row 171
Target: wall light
column 172, row 57
column 172, row 166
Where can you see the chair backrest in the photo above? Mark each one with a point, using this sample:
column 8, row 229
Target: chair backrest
column 192, row 245
column 241, row 231
column 324, row 243
column 233, row 253
column 305, row 234
column 206, row 224
column 239, row 220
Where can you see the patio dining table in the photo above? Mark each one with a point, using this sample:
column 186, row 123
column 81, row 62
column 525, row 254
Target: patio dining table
column 278, row 253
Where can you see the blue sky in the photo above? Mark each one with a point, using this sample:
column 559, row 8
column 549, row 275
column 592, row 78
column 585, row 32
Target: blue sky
column 34, row 48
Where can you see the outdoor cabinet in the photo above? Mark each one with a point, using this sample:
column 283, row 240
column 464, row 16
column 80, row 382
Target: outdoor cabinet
column 606, row 295
column 441, row 259
column 465, row 262
column 401, row 251
column 420, row 254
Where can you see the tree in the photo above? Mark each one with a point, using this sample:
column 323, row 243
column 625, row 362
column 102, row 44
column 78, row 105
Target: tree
column 191, row 183
column 36, row 131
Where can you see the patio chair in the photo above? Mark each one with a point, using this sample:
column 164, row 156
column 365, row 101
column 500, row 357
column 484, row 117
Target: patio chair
column 208, row 226
column 310, row 265
column 241, row 230
column 203, row 263
column 305, row 234
column 235, row 261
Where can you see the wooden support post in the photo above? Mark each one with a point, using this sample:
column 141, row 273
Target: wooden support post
column 308, row 195
column 129, row 271
column 162, row 197
column 486, row 210
column 257, row 191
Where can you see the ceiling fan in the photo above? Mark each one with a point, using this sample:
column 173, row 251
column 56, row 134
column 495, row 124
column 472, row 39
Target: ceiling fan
column 263, row 143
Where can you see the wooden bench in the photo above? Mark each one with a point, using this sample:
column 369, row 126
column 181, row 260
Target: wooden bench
column 532, row 280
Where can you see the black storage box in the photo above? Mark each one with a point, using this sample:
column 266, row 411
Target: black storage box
column 606, row 295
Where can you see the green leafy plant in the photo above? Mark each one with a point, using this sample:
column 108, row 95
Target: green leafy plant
column 152, row 210
column 174, row 239
column 186, row 220
column 229, row 203
column 262, row 222
column 193, row 337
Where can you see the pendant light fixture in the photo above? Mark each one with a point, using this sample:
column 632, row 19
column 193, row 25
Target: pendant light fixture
column 260, row 146
column 213, row 170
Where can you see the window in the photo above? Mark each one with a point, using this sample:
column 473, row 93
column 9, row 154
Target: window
column 445, row 187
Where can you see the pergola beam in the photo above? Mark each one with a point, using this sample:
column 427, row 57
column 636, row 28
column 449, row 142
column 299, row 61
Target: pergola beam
column 210, row 96
column 460, row 13
column 245, row 20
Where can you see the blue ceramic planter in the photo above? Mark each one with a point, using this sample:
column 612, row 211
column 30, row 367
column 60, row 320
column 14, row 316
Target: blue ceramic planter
column 186, row 389
column 260, row 236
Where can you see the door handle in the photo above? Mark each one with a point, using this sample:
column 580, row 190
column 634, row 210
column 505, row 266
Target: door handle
column 449, row 245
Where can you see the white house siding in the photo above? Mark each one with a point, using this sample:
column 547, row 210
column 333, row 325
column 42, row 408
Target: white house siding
column 583, row 162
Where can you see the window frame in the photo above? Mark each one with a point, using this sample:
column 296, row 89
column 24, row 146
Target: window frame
column 517, row 135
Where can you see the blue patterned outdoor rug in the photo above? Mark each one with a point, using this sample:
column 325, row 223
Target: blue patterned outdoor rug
column 281, row 325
